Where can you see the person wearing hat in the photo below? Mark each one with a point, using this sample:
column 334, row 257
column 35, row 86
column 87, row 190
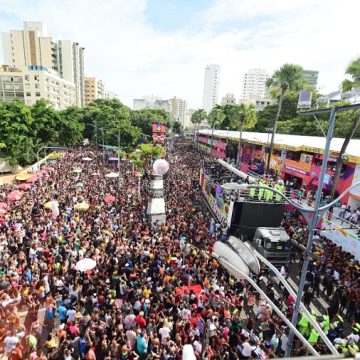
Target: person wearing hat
column 279, row 187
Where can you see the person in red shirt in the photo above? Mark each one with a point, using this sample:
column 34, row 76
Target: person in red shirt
column 140, row 320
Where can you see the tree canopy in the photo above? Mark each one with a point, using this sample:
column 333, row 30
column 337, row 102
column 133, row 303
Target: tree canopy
column 25, row 129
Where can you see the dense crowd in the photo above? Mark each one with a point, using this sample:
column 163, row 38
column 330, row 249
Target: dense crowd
column 153, row 290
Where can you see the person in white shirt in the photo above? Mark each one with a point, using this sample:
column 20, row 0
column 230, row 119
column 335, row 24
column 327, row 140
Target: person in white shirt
column 10, row 342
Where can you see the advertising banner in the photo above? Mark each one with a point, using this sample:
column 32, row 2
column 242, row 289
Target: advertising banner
column 356, row 178
column 158, row 128
column 296, row 168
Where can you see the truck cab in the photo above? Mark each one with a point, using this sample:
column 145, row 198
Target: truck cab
column 273, row 244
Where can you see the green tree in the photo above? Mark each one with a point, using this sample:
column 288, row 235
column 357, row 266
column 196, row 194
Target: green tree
column 215, row 118
column 70, row 128
column 353, row 71
column 17, row 133
column 145, row 117
column 198, row 117
column 46, row 122
column 242, row 116
column 177, row 127
column 287, row 78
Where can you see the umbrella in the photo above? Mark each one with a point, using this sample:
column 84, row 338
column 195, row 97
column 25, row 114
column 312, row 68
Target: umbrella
column 86, row 159
column 24, row 186
column 51, row 204
column 3, row 205
column 32, row 179
column 14, row 195
column 113, row 158
column 23, row 176
column 77, row 171
column 82, row 206
column 80, row 184
column 109, row 198
column 112, row 175
column 95, row 174
column 85, row 264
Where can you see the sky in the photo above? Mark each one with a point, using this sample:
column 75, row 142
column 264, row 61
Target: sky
column 161, row 47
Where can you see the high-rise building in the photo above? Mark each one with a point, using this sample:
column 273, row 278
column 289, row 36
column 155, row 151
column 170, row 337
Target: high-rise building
column 211, row 86
column 33, row 47
column 29, row 47
column 188, row 124
column 100, row 89
column 90, row 86
column 32, row 83
column 310, row 77
column 110, row 95
column 228, row 99
column 254, row 84
column 70, row 66
column 178, row 110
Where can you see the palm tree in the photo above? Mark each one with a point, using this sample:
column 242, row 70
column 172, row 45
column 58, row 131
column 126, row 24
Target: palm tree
column 197, row 118
column 353, row 70
column 215, row 118
column 287, row 78
column 242, row 116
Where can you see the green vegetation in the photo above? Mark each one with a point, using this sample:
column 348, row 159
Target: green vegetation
column 25, row 129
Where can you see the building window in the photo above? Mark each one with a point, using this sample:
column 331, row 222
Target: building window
column 36, row 77
column 37, row 94
column 37, row 86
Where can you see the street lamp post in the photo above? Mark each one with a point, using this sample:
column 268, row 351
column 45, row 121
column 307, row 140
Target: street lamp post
column 276, row 309
column 311, row 215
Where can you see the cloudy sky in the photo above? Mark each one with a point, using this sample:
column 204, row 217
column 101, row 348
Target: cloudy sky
column 160, row 47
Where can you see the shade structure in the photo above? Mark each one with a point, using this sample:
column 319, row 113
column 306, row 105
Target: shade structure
column 23, row 176
column 77, row 170
column 85, row 265
column 95, row 174
column 32, row 179
column 109, row 198
column 24, row 186
column 86, row 159
column 51, row 204
column 82, row 206
column 14, row 195
column 138, row 173
column 112, row 175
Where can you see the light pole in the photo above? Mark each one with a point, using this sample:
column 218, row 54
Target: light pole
column 311, row 215
column 103, row 144
column 118, row 139
column 240, row 274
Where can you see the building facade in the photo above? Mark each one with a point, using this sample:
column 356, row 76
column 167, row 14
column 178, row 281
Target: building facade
column 258, row 102
column 254, row 84
column 178, row 110
column 211, row 87
column 33, row 83
column 33, row 47
column 70, row 66
column 228, row 99
column 29, row 47
column 310, row 77
column 110, row 95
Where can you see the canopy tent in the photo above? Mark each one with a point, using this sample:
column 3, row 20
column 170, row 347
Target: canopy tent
column 23, row 176
column 112, row 175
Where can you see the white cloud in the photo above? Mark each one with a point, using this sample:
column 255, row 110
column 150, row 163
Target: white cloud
column 134, row 58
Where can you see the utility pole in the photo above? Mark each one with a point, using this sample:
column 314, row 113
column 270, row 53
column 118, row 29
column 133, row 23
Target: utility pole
column 118, row 137
column 103, row 144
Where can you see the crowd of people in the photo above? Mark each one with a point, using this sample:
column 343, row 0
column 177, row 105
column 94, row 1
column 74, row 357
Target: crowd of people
column 149, row 295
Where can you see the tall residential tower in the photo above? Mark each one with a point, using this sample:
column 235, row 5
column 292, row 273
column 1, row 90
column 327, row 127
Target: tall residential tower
column 254, row 84
column 211, row 87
